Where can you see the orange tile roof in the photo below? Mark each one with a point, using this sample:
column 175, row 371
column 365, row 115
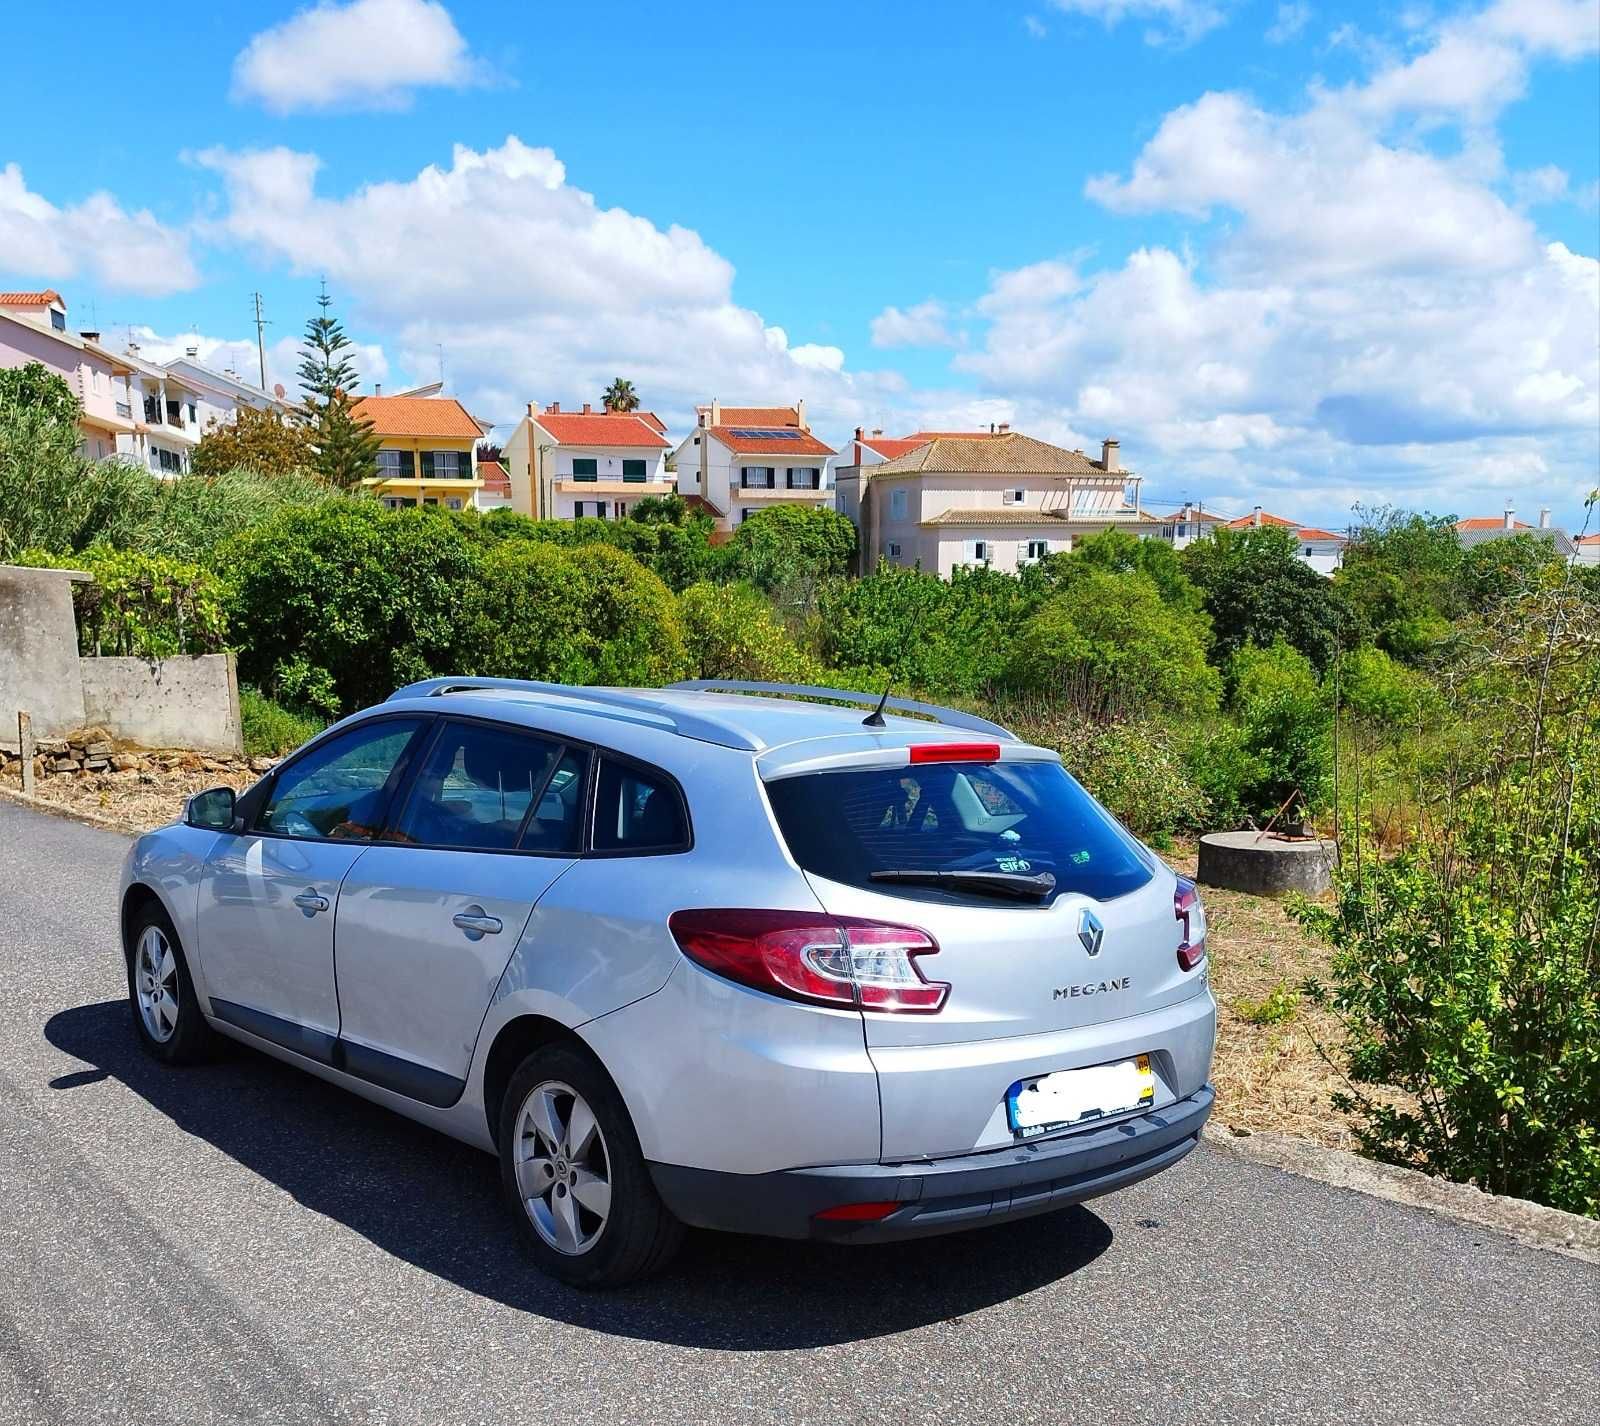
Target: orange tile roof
column 496, row 479
column 573, row 428
column 758, row 415
column 890, row 448
column 1490, row 522
column 31, row 299
column 923, row 437
column 1304, row 532
column 1587, row 540
column 417, row 416
column 801, row 443
column 652, row 418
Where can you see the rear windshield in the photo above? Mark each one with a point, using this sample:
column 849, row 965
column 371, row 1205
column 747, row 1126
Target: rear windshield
column 1019, row 817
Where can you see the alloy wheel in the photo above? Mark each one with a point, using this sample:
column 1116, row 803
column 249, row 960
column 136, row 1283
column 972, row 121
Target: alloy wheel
column 155, row 980
column 562, row 1166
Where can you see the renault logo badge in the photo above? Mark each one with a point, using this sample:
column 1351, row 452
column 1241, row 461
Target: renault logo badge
column 1090, row 931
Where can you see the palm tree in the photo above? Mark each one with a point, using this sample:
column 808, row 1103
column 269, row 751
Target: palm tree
column 620, row 396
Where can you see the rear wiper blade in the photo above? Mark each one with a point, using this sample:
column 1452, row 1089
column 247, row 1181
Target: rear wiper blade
column 1013, row 885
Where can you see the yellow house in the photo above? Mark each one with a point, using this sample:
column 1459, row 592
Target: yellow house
column 428, row 450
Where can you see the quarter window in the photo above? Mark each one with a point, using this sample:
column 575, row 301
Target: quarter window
column 477, row 787
column 637, row 811
column 340, row 790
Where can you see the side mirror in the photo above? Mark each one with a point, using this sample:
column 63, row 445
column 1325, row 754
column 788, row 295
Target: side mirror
column 211, row 809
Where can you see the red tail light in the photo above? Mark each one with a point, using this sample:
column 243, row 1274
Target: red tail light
column 955, row 752
column 857, row 1212
column 1192, row 922
column 823, row 960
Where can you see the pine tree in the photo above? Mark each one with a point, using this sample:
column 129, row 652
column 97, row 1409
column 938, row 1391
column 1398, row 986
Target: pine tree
column 346, row 446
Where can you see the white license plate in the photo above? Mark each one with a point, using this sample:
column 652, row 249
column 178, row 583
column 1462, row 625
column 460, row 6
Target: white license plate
column 1067, row 1097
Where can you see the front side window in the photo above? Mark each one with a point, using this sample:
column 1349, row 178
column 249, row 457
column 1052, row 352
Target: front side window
column 637, row 811
column 340, row 790
column 478, row 788
column 1020, row 817
column 585, row 468
column 633, row 470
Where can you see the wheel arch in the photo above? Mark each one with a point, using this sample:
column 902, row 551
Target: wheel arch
column 139, row 897
column 514, row 1042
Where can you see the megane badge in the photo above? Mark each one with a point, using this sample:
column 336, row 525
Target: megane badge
column 1090, row 931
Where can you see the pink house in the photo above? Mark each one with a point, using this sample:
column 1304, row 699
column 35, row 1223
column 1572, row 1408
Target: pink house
column 33, row 327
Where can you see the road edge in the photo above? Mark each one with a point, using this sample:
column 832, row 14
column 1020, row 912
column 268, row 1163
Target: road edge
column 1532, row 1224
column 90, row 819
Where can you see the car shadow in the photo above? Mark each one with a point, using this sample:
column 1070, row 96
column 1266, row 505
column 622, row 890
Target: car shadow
column 336, row 1154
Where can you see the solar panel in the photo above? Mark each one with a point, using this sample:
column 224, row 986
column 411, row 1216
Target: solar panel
column 754, row 434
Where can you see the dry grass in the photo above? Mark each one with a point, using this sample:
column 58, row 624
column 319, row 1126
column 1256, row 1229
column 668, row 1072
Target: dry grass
column 135, row 801
column 1268, row 1076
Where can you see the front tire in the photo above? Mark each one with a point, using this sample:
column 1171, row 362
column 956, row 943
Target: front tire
column 575, row 1177
column 166, row 1011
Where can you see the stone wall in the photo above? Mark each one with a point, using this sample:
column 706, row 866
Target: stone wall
column 188, row 701
column 39, row 652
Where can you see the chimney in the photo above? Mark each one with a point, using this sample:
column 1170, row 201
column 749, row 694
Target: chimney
column 191, row 352
column 553, row 409
column 1511, row 516
column 715, row 419
column 800, row 414
column 90, row 336
column 1255, row 517
column 1544, row 517
column 1110, row 454
column 377, row 388
column 586, row 409
column 533, row 408
column 877, row 431
column 860, row 434
column 1005, row 428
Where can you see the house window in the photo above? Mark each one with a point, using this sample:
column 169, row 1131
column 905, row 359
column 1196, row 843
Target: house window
column 194, row 415
column 892, row 549
column 745, row 514
column 447, row 465
column 395, row 465
column 758, row 477
column 805, row 477
column 619, row 509
column 174, row 413
column 585, row 468
column 633, row 470
column 152, row 411
column 594, row 509
column 454, row 502
column 897, row 505
column 1015, row 497
column 982, row 552
column 167, row 462
column 1038, row 549
column 102, row 385
column 58, row 320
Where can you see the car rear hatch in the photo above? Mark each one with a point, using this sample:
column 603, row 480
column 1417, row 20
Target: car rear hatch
column 1051, row 925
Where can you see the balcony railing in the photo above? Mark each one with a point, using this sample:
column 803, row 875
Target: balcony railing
column 125, row 410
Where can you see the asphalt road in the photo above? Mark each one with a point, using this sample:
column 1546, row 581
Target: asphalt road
column 239, row 1242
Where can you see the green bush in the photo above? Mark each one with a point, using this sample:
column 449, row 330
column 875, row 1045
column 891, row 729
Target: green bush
column 585, row 614
column 792, row 545
column 343, row 602
column 1467, row 964
column 732, row 631
column 141, row 605
column 677, row 549
column 1378, row 689
column 1286, row 725
column 1110, row 646
column 270, row 729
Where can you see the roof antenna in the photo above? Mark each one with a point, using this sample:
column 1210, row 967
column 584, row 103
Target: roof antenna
column 875, row 718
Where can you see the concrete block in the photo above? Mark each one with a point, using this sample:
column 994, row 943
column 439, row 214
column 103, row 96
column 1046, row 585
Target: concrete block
column 1264, row 865
column 39, row 650
column 183, row 702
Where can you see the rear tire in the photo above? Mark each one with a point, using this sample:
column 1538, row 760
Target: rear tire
column 166, row 1011
column 575, row 1177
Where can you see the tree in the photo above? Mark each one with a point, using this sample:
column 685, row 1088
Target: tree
column 1400, row 577
column 1504, row 568
column 1110, row 646
column 346, row 446
column 620, row 396
column 791, row 544
column 1122, row 553
column 261, row 441
column 1257, row 590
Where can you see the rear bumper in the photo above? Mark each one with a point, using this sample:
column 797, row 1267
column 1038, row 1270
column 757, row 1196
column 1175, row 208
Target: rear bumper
column 939, row 1195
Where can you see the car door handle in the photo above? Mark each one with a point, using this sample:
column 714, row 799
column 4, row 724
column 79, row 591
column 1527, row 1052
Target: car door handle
column 476, row 922
column 310, row 900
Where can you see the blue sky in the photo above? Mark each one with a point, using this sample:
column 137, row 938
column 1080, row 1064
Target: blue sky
column 1291, row 254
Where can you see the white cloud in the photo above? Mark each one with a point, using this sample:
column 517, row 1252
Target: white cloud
column 1292, row 19
column 1547, row 184
column 96, row 239
column 532, row 288
column 925, row 325
column 1178, row 22
column 1034, row 26
column 239, row 355
column 365, row 54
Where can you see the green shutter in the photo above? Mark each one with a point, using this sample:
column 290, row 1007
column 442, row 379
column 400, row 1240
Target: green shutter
column 633, row 470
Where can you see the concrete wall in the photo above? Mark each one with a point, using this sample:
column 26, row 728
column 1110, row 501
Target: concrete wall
column 183, row 702
column 39, row 652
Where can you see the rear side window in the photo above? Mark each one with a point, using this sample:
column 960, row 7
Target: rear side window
column 1018, row 817
column 478, row 788
column 636, row 810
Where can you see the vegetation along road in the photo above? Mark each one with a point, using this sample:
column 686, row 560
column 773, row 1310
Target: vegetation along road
column 238, row 1242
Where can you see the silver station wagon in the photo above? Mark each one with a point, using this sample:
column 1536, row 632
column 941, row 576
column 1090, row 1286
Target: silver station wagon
column 737, row 956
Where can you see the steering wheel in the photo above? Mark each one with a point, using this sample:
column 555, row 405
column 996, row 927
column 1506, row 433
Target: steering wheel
column 296, row 824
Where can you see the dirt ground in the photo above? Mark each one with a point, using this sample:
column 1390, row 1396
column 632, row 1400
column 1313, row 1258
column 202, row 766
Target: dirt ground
column 1268, row 1075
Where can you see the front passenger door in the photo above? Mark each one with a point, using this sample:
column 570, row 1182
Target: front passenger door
column 268, row 894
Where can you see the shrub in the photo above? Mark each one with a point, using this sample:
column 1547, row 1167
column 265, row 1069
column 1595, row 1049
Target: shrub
column 261, row 442
column 733, row 631
column 1121, row 553
column 589, row 614
column 1278, row 1007
column 1109, row 645
column 1467, row 965
column 1400, row 579
column 346, row 600
column 141, row 605
column 1374, row 687
column 791, row 544
column 1286, row 728
column 271, row 730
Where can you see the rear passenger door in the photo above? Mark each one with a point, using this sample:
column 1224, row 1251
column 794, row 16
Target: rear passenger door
column 429, row 917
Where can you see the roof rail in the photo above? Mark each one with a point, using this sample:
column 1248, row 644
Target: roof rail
column 690, row 725
column 952, row 717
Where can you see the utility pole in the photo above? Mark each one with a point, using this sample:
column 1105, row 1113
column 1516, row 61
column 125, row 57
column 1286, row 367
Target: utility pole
column 261, row 347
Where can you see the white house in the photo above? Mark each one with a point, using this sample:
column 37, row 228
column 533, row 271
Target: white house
column 996, row 498
column 33, row 328
column 1480, row 528
column 1183, row 527
column 1321, row 549
column 567, row 464
column 1587, row 550
column 741, row 459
